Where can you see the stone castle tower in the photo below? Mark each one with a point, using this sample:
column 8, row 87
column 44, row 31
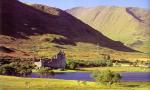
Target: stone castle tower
column 57, row 61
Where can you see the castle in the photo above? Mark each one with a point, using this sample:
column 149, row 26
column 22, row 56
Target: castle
column 57, row 61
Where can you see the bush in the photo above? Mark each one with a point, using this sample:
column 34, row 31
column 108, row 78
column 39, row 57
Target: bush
column 43, row 70
column 106, row 77
column 109, row 63
column 71, row 65
column 101, row 63
column 147, row 63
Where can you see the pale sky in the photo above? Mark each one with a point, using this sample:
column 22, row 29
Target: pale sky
column 67, row 4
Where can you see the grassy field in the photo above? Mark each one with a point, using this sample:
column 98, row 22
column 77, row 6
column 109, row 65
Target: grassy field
column 82, row 51
column 17, row 83
column 118, row 69
column 122, row 68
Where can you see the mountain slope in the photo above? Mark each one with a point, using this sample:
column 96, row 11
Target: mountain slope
column 128, row 25
column 44, row 30
column 22, row 21
column 11, row 52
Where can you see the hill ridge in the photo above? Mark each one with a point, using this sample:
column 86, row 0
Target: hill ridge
column 126, row 24
column 28, row 21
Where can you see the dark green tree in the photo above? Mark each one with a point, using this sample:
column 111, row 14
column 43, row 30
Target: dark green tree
column 16, row 67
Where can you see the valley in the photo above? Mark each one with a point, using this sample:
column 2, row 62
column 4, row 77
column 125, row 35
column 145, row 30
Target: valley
column 38, row 41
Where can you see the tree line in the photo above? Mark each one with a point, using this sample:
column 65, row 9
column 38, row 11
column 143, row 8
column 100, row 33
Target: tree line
column 16, row 66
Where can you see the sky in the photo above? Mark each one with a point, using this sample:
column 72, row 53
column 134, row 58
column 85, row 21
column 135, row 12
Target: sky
column 67, row 4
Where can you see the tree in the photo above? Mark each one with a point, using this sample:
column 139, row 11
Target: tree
column 16, row 67
column 71, row 64
column 7, row 69
column 106, row 77
column 25, row 69
column 109, row 63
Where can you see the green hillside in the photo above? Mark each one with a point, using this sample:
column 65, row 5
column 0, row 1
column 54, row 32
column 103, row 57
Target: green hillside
column 128, row 25
column 43, row 31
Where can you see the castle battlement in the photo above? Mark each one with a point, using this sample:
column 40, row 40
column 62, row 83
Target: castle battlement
column 57, row 61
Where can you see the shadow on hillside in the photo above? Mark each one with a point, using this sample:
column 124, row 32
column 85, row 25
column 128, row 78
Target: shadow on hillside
column 5, row 50
column 21, row 21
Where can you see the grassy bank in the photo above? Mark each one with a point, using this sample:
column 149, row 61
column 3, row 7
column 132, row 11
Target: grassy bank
column 118, row 69
column 114, row 69
column 58, row 70
column 17, row 83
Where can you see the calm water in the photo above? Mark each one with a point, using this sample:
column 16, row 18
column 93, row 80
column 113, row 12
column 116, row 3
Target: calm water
column 86, row 76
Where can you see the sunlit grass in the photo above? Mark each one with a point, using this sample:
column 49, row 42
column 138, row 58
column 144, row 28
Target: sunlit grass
column 17, row 83
column 117, row 24
column 119, row 69
column 82, row 51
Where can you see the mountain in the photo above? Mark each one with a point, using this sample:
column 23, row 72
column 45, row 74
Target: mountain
column 44, row 30
column 129, row 25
